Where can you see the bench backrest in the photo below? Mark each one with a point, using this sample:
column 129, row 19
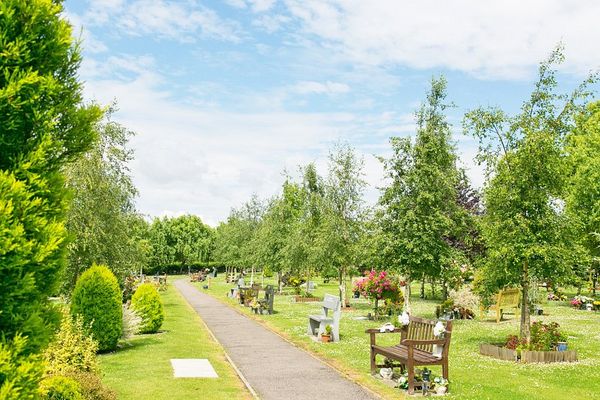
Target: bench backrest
column 331, row 303
column 422, row 329
column 508, row 297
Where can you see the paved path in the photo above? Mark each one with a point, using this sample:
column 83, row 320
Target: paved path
column 274, row 368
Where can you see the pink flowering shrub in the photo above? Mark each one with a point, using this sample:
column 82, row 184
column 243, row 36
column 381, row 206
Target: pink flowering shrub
column 379, row 286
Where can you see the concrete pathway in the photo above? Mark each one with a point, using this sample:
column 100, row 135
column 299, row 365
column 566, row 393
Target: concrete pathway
column 274, row 368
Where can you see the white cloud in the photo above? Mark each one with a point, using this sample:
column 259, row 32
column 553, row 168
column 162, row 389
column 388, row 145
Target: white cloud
column 312, row 87
column 487, row 39
column 271, row 23
column 206, row 161
column 261, row 5
column 182, row 21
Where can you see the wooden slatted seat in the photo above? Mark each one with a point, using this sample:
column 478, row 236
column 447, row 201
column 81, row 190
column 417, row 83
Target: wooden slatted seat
column 416, row 348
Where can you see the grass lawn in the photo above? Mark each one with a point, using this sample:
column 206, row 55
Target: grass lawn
column 141, row 368
column 472, row 376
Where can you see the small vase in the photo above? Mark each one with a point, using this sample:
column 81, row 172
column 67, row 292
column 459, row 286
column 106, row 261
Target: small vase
column 441, row 389
column 437, row 351
column 561, row 346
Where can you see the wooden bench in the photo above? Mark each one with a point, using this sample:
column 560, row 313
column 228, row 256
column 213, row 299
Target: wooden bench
column 416, row 348
column 505, row 299
column 317, row 323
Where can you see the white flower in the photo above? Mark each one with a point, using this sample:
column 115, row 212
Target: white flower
column 439, row 329
column 404, row 319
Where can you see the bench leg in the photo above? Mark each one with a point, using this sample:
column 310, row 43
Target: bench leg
column 373, row 362
column 411, row 378
column 445, row 369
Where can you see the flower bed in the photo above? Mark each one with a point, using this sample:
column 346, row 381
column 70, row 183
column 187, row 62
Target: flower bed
column 527, row 356
column 546, row 340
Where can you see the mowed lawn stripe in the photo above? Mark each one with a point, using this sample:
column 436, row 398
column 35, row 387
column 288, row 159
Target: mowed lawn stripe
column 141, row 368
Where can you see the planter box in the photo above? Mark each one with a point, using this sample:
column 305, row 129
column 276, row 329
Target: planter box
column 501, row 353
column 548, row 356
column 300, row 299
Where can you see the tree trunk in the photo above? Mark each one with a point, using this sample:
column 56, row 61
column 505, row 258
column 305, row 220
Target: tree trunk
column 433, row 288
column 407, row 296
column 279, row 287
column 422, row 295
column 444, row 290
column 345, row 302
column 525, row 316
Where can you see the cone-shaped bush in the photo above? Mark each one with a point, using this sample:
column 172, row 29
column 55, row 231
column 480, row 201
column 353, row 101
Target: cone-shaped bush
column 97, row 298
column 146, row 303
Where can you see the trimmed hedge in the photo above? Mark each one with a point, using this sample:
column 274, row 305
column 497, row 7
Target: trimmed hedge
column 147, row 304
column 178, row 269
column 97, row 298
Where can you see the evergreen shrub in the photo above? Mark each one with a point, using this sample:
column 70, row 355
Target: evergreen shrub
column 97, row 298
column 147, row 304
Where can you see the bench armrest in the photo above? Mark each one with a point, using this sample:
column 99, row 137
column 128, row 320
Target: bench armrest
column 414, row 342
column 376, row 330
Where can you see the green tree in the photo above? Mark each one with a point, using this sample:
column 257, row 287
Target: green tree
column 182, row 241
column 102, row 216
column 234, row 238
column 419, row 207
column 525, row 229
column 342, row 223
column 44, row 124
column 583, row 188
column 274, row 241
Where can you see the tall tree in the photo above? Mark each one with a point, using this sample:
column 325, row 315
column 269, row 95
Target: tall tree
column 343, row 216
column 182, row 241
column 524, row 226
column 419, row 207
column 102, row 211
column 44, row 124
column 583, row 191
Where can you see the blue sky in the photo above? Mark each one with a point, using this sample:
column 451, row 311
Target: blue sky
column 225, row 95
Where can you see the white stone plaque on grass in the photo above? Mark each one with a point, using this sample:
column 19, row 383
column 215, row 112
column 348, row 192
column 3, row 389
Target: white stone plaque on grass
column 193, row 368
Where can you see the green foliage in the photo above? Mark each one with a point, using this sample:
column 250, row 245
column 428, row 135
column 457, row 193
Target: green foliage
column 44, row 124
column 544, row 337
column 72, row 348
column 182, row 241
column 147, row 304
column 20, row 373
column 102, row 219
column 60, row 388
column 583, row 191
column 527, row 234
column 97, row 298
column 40, row 96
column 419, row 207
column 32, row 240
column 91, row 386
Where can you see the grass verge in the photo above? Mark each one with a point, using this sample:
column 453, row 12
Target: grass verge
column 472, row 376
column 141, row 368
